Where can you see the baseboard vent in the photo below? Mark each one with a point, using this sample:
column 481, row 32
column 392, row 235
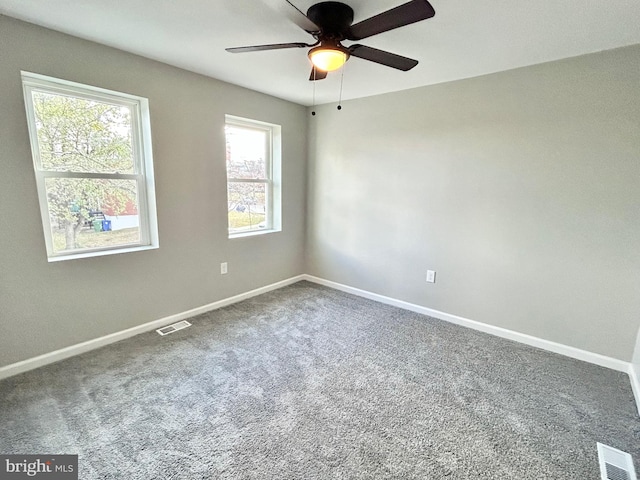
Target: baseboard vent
column 174, row 327
column 615, row 464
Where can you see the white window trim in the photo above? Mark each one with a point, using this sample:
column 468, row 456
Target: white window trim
column 143, row 162
column 274, row 174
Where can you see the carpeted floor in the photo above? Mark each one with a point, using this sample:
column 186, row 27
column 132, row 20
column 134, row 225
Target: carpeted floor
column 311, row 383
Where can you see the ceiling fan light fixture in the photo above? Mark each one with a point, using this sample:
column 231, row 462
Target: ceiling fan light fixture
column 328, row 58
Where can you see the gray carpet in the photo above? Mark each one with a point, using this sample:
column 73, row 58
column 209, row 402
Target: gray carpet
column 311, row 383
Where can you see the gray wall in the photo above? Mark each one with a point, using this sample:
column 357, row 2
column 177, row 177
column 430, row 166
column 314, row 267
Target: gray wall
column 46, row 306
column 521, row 189
column 636, row 367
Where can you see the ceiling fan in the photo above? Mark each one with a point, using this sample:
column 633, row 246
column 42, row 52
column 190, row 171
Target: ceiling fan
column 331, row 22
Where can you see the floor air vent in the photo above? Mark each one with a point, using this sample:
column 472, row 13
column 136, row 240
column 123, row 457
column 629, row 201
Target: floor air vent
column 173, row 327
column 615, row 464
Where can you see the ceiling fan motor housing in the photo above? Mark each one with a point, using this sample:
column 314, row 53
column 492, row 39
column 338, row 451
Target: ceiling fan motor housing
column 334, row 18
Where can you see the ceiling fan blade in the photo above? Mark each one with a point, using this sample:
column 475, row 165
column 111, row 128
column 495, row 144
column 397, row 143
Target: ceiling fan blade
column 406, row 14
column 294, row 14
column 317, row 74
column 383, row 58
column 273, row 46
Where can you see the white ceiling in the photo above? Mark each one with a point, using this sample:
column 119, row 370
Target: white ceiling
column 466, row 38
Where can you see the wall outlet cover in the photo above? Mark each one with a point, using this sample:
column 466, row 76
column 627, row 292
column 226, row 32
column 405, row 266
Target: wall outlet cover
column 431, row 276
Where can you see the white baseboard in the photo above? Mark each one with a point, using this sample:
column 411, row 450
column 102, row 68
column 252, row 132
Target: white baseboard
column 57, row 355
column 634, row 374
column 566, row 350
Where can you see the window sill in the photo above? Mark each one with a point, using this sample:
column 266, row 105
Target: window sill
column 101, row 253
column 254, row 233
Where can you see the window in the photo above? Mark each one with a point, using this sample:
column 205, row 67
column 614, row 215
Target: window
column 94, row 170
column 253, row 176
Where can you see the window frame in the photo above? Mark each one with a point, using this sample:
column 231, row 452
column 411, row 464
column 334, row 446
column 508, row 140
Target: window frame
column 272, row 180
column 142, row 162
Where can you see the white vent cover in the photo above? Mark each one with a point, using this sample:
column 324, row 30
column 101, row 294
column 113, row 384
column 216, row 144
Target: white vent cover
column 615, row 464
column 173, row 327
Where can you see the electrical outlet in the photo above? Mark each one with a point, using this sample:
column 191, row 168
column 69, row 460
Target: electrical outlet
column 431, row 276
column 223, row 268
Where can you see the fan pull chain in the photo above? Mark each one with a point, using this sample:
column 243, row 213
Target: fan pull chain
column 341, row 82
column 313, row 112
